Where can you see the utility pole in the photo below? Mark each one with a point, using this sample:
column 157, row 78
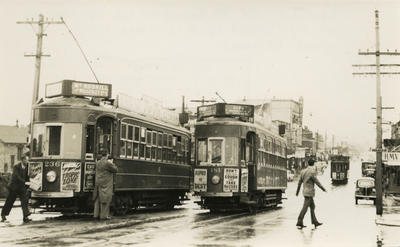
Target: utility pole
column 204, row 100
column 378, row 73
column 38, row 56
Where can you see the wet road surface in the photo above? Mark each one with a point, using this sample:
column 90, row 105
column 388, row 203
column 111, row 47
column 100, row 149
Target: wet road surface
column 345, row 224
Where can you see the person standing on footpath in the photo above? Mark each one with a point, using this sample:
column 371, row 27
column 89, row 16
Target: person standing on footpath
column 308, row 178
column 103, row 191
column 17, row 188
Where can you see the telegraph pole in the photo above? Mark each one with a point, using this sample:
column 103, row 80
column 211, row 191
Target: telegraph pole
column 38, row 56
column 378, row 73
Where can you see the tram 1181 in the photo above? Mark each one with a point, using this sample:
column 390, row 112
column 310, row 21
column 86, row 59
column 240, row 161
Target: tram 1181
column 76, row 121
column 239, row 163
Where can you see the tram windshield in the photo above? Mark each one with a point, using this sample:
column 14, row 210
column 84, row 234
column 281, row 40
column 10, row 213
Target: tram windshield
column 62, row 140
column 223, row 151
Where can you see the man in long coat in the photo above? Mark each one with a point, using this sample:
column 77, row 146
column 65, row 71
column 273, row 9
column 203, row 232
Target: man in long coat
column 308, row 178
column 17, row 188
column 103, row 191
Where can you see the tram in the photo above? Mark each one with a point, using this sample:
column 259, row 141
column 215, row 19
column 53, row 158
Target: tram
column 239, row 164
column 339, row 169
column 77, row 120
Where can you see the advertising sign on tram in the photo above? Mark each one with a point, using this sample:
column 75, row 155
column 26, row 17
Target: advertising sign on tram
column 244, row 180
column 231, row 180
column 35, row 170
column 71, row 176
column 200, row 180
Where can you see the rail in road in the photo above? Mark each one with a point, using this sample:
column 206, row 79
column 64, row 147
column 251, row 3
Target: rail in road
column 81, row 230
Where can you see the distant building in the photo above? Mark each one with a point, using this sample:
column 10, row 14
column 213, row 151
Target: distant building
column 12, row 141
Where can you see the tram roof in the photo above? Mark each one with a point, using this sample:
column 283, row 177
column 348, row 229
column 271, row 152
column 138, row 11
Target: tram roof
column 86, row 103
column 230, row 121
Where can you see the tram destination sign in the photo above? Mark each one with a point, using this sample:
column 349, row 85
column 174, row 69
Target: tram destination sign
column 78, row 88
column 246, row 112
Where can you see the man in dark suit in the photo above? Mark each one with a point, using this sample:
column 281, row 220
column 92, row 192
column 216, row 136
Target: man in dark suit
column 308, row 177
column 17, row 188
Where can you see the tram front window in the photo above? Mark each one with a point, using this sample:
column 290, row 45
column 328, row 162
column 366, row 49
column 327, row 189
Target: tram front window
column 54, row 137
column 218, row 151
column 216, row 147
column 202, row 151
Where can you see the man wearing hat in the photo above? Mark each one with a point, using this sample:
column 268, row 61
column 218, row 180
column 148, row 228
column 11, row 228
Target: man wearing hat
column 308, row 178
column 17, row 188
column 103, row 191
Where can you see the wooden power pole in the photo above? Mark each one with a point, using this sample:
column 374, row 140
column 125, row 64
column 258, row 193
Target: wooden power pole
column 378, row 73
column 38, row 56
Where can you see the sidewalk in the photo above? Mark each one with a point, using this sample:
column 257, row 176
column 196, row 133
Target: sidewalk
column 391, row 212
column 388, row 224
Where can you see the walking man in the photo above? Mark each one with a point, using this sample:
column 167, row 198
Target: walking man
column 308, row 178
column 17, row 188
column 103, row 191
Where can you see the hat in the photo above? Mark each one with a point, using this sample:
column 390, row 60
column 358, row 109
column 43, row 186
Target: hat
column 23, row 155
column 104, row 152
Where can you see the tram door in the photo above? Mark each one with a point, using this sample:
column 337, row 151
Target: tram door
column 250, row 159
column 104, row 130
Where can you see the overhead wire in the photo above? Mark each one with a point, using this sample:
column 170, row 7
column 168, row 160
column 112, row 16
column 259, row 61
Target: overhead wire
column 80, row 48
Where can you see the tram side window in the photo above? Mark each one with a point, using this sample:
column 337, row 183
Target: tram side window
column 54, row 134
column 122, row 149
column 202, row 151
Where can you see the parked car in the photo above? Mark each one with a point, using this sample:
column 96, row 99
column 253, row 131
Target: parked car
column 365, row 189
column 290, row 175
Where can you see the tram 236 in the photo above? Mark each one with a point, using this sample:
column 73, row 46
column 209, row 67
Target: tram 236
column 76, row 121
column 239, row 163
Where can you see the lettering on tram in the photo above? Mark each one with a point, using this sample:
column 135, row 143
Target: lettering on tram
column 239, row 163
column 146, row 142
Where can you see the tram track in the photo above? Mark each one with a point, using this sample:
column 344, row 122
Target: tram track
column 57, row 231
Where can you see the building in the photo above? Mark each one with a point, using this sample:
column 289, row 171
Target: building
column 279, row 113
column 13, row 139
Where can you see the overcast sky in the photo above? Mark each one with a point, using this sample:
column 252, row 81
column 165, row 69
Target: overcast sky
column 240, row 49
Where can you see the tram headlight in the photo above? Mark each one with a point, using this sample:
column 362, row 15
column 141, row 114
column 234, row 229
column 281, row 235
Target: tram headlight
column 51, row 176
column 215, row 179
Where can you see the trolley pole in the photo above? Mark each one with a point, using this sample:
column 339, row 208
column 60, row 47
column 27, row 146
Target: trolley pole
column 38, row 56
column 378, row 150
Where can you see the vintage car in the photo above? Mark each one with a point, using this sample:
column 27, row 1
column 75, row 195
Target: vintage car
column 365, row 189
column 370, row 172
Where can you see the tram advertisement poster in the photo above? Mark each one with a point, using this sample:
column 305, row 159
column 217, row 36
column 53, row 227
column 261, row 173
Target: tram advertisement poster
column 35, row 170
column 200, row 180
column 90, row 169
column 71, row 176
column 231, row 180
column 244, row 180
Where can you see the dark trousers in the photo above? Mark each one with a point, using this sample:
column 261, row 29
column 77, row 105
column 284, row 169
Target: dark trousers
column 12, row 195
column 308, row 202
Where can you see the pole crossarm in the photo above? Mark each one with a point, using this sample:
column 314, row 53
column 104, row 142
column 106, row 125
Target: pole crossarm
column 378, row 53
column 374, row 73
column 36, row 55
column 374, row 65
column 39, row 22
column 384, row 108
